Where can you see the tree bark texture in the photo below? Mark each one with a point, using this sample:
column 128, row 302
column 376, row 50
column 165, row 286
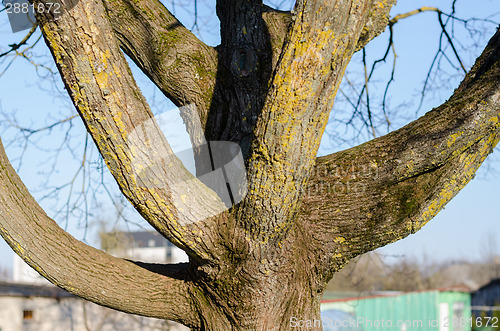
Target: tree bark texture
column 269, row 87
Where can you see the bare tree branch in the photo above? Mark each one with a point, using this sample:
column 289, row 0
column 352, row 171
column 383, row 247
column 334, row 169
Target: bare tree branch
column 368, row 114
column 182, row 66
column 297, row 107
column 398, row 17
column 99, row 82
column 84, row 270
column 378, row 20
column 15, row 47
column 390, row 187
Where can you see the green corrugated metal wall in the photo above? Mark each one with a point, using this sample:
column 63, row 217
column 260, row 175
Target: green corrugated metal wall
column 453, row 299
column 408, row 311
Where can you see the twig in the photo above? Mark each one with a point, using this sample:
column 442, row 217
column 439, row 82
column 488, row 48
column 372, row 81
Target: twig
column 14, row 47
column 450, row 41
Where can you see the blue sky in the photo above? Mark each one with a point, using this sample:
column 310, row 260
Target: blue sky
column 461, row 231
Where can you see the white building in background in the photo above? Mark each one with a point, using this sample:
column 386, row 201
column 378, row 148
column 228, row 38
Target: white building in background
column 26, row 307
column 145, row 246
column 31, row 303
column 148, row 246
column 22, row 273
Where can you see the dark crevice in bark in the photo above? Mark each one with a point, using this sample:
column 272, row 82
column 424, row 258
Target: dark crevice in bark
column 416, row 175
column 174, row 271
column 244, row 70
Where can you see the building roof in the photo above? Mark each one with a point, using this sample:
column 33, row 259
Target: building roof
column 380, row 294
column 8, row 289
column 488, row 295
column 148, row 239
column 495, row 283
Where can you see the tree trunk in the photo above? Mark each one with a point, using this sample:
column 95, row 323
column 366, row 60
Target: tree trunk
column 258, row 294
column 270, row 85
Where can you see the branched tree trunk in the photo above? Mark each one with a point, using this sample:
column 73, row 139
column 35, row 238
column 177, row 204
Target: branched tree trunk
column 269, row 87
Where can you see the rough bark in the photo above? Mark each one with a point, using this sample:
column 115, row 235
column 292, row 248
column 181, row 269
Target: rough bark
column 382, row 191
column 378, row 20
column 175, row 60
column 269, row 86
column 318, row 48
column 119, row 120
column 84, row 270
column 183, row 67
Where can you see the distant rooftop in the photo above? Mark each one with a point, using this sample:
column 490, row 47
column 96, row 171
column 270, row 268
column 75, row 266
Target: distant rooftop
column 333, row 296
column 148, row 239
column 24, row 290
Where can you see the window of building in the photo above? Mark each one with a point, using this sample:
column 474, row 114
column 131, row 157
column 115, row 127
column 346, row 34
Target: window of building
column 458, row 315
column 444, row 317
column 27, row 314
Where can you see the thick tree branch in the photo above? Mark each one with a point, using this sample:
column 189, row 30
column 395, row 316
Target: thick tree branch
column 388, row 188
column 378, row 20
column 278, row 23
column 321, row 41
column 84, row 270
column 183, row 67
column 117, row 116
column 244, row 69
